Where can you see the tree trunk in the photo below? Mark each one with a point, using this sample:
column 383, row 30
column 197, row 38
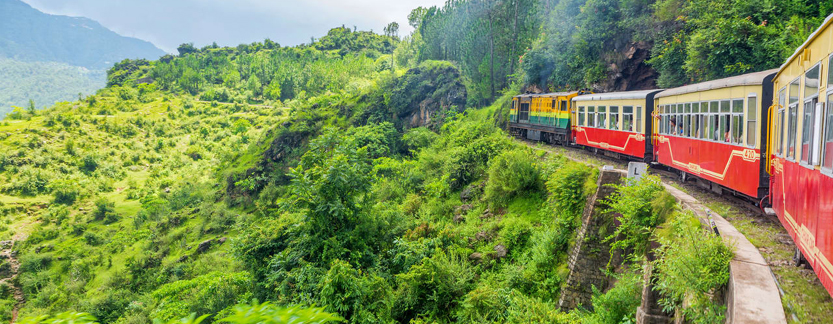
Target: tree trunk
column 513, row 55
column 491, row 56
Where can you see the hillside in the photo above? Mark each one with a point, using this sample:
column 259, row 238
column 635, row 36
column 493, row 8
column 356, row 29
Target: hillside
column 361, row 173
column 27, row 34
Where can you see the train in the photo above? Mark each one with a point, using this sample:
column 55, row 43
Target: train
column 765, row 136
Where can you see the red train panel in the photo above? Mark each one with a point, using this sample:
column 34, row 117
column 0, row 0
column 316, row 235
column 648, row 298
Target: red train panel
column 733, row 167
column 803, row 200
column 628, row 143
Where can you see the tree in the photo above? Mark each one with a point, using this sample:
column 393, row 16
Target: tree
column 186, row 48
column 392, row 31
column 31, row 109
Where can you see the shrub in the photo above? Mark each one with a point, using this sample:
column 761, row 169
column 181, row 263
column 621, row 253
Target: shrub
column 30, row 181
column 617, row 305
column 65, row 191
column 484, row 304
column 207, row 294
column 692, row 264
column 359, row 298
column 105, row 210
column 635, row 202
column 523, row 309
column 512, row 173
column 417, row 138
column 434, row 287
column 569, row 187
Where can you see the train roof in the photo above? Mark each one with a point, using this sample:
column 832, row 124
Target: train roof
column 624, row 95
column 827, row 22
column 756, row 78
column 551, row 94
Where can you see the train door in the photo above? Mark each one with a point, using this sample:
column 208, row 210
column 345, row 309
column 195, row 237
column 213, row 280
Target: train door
column 523, row 115
column 565, row 112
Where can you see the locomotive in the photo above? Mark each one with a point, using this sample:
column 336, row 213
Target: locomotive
column 765, row 136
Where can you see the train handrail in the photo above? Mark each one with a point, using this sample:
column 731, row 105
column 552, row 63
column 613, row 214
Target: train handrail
column 769, row 136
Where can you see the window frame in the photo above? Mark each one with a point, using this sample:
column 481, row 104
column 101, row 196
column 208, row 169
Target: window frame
column 591, row 116
column 751, row 98
column 813, row 100
column 601, row 118
column 582, row 118
column 781, row 116
column 614, row 118
column 791, row 133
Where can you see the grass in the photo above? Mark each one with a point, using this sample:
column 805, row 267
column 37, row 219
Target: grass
column 805, row 300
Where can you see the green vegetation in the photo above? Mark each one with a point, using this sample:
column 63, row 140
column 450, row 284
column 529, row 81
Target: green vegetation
column 354, row 173
column 609, row 44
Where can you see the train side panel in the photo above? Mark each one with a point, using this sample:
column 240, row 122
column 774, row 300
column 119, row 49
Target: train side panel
column 801, row 159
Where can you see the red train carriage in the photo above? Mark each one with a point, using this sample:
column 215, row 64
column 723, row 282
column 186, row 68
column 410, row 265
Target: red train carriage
column 802, row 151
column 712, row 131
column 618, row 123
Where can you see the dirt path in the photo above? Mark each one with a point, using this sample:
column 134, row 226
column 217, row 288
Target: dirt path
column 7, row 253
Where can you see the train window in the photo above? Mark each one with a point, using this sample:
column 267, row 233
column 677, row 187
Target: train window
column 793, row 125
column 591, row 116
column 602, row 117
column 724, row 106
column 780, row 123
column 724, row 135
column 830, row 72
column 827, row 146
column 639, row 119
column 701, row 126
column 614, row 117
column 737, row 121
column 751, row 121
column 794, row 86
column 713, row 107
column 807, row 132
column 714, row 130
column 811, row 82
column 581, row 116
column 627, row 118
column 687, row 120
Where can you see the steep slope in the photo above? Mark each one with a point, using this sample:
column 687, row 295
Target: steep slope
column 27, row 34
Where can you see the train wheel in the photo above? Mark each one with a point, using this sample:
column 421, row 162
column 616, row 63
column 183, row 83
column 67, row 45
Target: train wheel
column 799, row 259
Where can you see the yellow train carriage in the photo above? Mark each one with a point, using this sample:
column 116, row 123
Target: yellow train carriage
column 712, row 131
column 801, row 154
column 545, row 117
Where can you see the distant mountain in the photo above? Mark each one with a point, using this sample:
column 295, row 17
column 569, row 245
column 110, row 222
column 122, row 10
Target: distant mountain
column 27, row 34
column 44, row 82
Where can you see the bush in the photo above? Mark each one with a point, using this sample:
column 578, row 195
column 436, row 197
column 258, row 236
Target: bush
column 433, row 288
column 635, row 203
column 512, row 173
column 569, row 187
column 207, row 294
column 417, row 138
column 105, row 210
column 65, row 191
column 30, row 181
column 617, row 305
column 692, row 265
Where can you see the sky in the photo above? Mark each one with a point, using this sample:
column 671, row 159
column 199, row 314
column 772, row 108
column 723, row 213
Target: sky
column 168, row 23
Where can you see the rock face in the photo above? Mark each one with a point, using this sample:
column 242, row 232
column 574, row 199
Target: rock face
column 629, row 71
column 424, row 94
